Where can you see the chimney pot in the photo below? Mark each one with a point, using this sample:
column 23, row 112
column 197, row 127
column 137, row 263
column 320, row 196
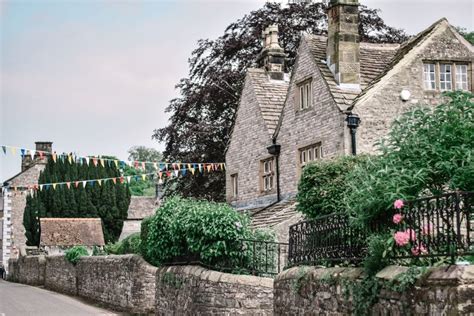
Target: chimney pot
column 272, row 57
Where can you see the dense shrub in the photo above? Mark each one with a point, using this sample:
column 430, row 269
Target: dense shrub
column 75, row 253
column 323, row 184
column 427, row 152
column 186, row 227
column 130, row 244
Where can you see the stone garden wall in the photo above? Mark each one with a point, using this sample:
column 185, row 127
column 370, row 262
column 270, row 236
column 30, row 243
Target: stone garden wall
column 322, row 291
column 127, row 283
column 193, row 290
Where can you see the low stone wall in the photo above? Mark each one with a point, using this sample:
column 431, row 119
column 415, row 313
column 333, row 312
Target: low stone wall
column 193, row 290
column 125, row 283
column 27, row 270
column 60, row 275
column 319, row 291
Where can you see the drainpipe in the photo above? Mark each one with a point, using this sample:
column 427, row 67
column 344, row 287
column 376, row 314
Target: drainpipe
column 274, row 149
column 353, row 122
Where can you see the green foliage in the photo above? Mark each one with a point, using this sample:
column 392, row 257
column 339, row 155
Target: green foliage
column 129, row 245
column 75, row 253
column 211, row 230
column 142, row 153
column 404, row 281
column 469, row 36
column 108, row 201
column 427, row 151
column 98, row 251
column 323, row 185
column 377, row 254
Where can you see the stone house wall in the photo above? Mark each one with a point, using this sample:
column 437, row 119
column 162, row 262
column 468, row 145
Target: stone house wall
column 321, row 291
column 250, row 139
column 28, row 270
column 323, row 122
column 193, row 290
column 13, row 228
column 382, row 105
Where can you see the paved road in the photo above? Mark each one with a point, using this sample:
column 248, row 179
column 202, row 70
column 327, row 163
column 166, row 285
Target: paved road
column 18, row 299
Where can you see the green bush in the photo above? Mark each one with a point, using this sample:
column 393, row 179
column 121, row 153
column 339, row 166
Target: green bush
column 323, row 184
column 129, row 245
column 184, row 227
column 428, row 151
column 75, row 253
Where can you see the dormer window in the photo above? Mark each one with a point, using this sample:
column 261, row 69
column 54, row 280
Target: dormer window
column 445, row 76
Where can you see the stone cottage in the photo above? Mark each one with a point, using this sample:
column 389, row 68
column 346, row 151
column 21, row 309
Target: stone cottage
column 338, row 86
column 139, row 208
column 59, row 234
column 14, row 202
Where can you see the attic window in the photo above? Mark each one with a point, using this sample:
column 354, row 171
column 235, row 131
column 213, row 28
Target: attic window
column 266, row 174
column 304, row 95
column 446, row 76
column 309, row 154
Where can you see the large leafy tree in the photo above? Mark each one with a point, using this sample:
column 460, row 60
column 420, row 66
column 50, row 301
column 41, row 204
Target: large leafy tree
column 109, row 200
column 141, row 153
column 201, row 118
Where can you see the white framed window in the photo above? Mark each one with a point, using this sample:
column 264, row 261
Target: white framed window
column 461, row 77
column 234, row 183
column 429, row 76
column 309, row 154
column 304, row 95
column 445, row 77
column 267, row 174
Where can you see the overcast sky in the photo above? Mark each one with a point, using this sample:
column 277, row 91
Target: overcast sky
column 94, row 77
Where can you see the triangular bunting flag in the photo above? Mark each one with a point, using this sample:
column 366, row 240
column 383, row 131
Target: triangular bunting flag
column 69, row 159
column 76, row 184
column 84, row 183
column 22, row 152
column 54, row 156
column 129, row 178
column 32, row 154
column 102, row 163
column 116, row 163
column 87, row 160
column 13, row 149
column 176, row 173
column 68, row 185
column 143, row 164
column 121, row 179
column 99, row 182
column 41, row 187
column 160, row 181
column 114, row 180
column 192, row 170
column 144, row 177
column 209, row 167
column 54, row 186
column 183, row 171
column 155, row 165
column 94, row 160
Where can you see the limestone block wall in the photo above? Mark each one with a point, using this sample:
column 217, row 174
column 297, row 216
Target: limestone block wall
column 193, row 290
column 125, row 283
column 27, row 270
column 60, row 275
column 320, row 291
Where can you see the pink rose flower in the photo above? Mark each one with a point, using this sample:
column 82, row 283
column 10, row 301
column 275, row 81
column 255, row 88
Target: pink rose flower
column 427, row 229
column 411, row 234
column 419, row 250
column 398, row 204
column 397, row 218
column 401, row 238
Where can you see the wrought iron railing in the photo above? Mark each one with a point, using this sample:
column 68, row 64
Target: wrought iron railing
column 254, row 257
column 441, row 226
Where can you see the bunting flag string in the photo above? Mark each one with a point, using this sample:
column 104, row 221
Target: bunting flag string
column 160, row 175
column 97, row 161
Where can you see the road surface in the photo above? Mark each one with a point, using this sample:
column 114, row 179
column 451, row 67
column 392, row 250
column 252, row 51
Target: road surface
column 18, row 299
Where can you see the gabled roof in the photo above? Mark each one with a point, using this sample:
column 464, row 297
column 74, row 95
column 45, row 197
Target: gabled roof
column 374, row 58
column 270, row 95
column 71, row 232
column 141, row 207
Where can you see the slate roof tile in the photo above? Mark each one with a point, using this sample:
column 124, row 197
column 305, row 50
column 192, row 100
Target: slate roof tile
column 71, row 232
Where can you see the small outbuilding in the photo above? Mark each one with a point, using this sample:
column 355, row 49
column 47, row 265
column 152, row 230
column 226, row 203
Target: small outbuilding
column 58, row 234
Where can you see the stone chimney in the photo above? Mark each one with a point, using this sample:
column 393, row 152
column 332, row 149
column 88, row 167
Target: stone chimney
column 272, row 57
column 27, row 161
column 343, row 47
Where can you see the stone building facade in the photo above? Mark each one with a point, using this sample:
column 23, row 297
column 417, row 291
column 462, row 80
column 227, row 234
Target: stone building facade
column 14, row 202
column 333, row 78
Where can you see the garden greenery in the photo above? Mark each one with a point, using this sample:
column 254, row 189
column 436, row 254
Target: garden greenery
column 427, row 152
column 129, row 245
column 323, row 185
column 75, row 253
column 185, row 228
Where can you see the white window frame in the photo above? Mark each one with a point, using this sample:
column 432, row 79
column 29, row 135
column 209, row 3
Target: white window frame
column 462, row 73
column 445, row 77
column 429, row 76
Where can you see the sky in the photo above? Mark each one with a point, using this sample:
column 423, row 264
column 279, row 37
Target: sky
column 95, row 77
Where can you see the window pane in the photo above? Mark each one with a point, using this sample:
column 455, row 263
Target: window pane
column 461, row 77
column 301, row 98
column 445, row 80
column 308, row 95
column 310, row 155
column 429, row 76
